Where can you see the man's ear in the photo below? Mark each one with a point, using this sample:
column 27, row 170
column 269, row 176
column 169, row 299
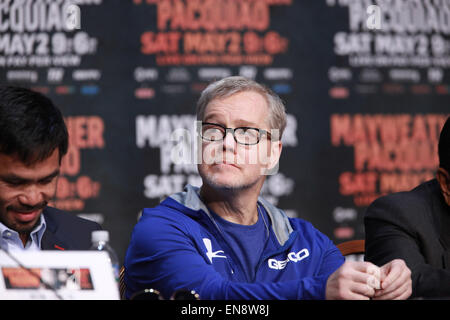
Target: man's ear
column 443, row 177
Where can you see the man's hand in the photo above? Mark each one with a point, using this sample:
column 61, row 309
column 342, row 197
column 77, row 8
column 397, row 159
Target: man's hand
column 354, row 280
column 396, row 283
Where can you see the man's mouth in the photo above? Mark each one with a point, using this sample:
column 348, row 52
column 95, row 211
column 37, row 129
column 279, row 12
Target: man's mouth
column 227, row 159
column 226, row 165
column 26, row 214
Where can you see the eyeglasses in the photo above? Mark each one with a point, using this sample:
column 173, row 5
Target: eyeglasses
column 243, row 135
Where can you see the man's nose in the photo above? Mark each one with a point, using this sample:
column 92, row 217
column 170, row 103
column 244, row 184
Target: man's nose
column 228, row 141
column 32, row 196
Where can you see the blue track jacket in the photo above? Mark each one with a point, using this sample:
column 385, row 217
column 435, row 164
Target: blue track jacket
column 177, row 245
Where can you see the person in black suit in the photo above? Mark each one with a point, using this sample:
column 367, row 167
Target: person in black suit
column 33, row 140
column 415, row 226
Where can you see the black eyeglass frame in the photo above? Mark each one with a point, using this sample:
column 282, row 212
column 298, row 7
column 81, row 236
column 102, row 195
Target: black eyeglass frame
column 261, row 132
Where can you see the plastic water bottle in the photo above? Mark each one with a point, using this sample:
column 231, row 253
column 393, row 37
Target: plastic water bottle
column 100, row 242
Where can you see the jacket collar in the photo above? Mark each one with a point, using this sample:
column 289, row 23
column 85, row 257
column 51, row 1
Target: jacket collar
column 190, row 199
column 50, row 240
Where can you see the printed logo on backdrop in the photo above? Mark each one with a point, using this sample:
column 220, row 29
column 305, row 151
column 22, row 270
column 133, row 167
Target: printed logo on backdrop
column 406, row 42
column 41, row 42
column 214, row 35
column 213, row 32
column 385, row 50
column 74, row 187
column 391, row 153
column 43, row 34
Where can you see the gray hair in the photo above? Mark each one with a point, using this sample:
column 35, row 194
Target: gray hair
column 229, row 86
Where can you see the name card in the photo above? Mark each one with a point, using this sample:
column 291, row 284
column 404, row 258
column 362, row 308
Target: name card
column 57, row 275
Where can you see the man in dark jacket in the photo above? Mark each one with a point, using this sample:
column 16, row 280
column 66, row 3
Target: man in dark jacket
column 415, row 226
column 33, row 140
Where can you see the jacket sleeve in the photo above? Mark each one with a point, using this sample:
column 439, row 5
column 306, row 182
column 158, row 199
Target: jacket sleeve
column 163, row 256
column 391, row 228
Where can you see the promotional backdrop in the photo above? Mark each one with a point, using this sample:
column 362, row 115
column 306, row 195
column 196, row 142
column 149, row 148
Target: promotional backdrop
column 366, row 87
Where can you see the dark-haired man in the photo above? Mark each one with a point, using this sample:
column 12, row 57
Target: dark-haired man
column 33, row 140
column 415, row 226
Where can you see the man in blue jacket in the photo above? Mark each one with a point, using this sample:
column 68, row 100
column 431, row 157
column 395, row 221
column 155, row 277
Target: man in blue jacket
column 223, row 240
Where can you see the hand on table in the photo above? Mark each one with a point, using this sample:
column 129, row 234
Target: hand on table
column 354, row 280
column 396, row 283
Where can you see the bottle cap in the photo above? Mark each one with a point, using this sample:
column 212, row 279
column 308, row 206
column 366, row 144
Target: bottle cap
column 100, row 235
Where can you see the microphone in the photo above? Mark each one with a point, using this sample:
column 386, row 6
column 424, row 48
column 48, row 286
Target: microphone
column 32, row 273
column 147, row 294
column 153, row 294
column 184, row 294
